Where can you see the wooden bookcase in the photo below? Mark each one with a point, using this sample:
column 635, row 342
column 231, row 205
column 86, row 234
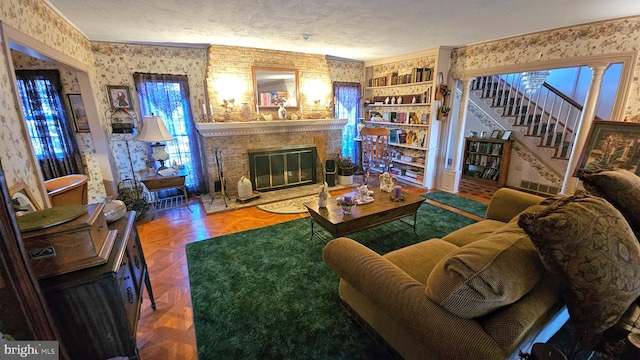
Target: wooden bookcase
column 487, row 160
column 407, row 77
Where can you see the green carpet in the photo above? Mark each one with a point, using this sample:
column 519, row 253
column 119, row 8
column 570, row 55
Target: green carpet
column 471, row 206
column 267, row 294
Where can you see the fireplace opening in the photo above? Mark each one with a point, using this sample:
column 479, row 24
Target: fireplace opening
column 279, row 168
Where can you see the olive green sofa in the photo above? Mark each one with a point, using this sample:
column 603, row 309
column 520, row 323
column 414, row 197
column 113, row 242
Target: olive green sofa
column 480, row 292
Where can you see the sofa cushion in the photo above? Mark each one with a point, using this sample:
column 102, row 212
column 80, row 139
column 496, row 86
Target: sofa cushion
column 473, row 232
column 593, row 254
column 619, row 187
column 487, row 274
column 418, row 260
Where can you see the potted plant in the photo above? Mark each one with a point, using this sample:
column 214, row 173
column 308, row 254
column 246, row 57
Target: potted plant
column 345, row 168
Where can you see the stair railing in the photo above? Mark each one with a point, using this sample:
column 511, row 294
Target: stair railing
column 547, row 113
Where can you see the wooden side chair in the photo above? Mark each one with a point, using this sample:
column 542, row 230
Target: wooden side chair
column 375, row 149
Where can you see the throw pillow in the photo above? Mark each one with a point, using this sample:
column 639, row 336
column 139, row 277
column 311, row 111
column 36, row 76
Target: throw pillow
column 593, row 254
column 487, row 274
column 620, row 187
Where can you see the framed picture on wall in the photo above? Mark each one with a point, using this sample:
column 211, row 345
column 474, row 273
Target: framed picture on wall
column 119, row 97
column 78, row 112
column 611, row 145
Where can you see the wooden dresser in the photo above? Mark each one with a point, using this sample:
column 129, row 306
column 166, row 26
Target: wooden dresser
column 96, row 309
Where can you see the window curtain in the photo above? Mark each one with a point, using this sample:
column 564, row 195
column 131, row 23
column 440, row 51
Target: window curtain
column 167, row 96
column 50, row 127
column 347, row 97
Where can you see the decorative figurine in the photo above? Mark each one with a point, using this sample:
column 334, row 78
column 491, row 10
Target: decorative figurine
column 323, row 195
column 364, row 195
column 387, row 182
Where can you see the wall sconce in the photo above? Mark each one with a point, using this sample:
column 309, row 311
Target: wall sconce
column 228, row 106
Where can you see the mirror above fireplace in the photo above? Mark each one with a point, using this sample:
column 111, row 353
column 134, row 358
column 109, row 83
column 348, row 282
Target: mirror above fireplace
column 274, row 85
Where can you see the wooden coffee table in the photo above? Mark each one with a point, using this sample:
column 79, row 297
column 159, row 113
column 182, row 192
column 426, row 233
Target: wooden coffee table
column 380, row 211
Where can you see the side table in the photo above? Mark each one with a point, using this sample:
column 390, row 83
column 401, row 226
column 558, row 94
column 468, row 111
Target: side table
column 155, row 183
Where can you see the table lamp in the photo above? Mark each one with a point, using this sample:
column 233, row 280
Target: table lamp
column 154, row 131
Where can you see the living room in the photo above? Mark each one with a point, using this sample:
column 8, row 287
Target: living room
column 99, row 64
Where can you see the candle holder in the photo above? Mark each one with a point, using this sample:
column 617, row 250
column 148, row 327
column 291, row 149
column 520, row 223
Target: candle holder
column 347, row 208
column 394, row 198
column 346, row 203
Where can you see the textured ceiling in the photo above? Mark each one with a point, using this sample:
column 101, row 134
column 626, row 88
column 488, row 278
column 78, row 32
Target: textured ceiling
column 352, row 29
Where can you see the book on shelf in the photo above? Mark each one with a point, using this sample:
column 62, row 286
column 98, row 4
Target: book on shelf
column 394, row 78
column 393, row 135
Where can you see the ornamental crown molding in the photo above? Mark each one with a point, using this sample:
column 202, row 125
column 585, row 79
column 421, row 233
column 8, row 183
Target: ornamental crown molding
column 268, row 127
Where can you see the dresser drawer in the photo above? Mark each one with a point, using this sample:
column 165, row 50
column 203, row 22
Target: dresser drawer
column 130, row 299
column 163, row 182
column 135, row 261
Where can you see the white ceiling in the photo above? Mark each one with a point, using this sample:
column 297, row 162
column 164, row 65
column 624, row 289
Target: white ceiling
column 352, row 29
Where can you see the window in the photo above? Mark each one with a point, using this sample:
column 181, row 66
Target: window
column 167, row 96
column 48, row 123
column 347, row 97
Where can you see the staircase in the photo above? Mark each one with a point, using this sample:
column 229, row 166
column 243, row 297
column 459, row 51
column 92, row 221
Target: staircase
column 543, row 122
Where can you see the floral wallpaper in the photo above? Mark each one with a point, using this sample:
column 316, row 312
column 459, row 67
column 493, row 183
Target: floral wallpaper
column 38, row 20
column 347, row 71
column 594, row 38
column 115, row 64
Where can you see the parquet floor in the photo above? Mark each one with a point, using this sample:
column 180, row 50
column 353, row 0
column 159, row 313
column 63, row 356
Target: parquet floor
column 168, row 333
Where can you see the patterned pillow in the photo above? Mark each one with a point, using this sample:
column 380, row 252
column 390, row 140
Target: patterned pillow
column 620, row 187
column 592, row 252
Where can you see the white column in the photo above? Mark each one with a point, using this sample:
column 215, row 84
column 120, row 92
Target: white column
column 458, row 149
column 588, row 114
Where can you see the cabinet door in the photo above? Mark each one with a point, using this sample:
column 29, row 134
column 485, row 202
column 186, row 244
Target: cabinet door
column 93, row 319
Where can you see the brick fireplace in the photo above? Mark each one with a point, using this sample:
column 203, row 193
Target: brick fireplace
column 235, row 139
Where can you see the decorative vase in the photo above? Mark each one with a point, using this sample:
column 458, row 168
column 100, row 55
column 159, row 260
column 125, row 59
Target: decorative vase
column 360, row 126
column 245, row 112
column 282, row 112
column 345, row 180
column 245, row 189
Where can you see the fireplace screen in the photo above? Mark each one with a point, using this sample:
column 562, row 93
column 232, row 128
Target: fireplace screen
column 273, row 169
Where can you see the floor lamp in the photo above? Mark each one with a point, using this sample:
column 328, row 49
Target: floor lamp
column 154, row 131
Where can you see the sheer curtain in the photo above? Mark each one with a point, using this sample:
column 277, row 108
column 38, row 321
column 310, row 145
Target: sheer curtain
column 347, row 96
column 167, row 96
column 50, row 127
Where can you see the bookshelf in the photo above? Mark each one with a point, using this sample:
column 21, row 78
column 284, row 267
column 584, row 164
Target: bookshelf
column 399, row 95
column 487, row 160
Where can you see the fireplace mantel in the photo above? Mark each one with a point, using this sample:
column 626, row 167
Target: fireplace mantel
column 218, row 129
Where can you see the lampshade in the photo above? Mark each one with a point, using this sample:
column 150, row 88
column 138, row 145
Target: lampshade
column 154, row 130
